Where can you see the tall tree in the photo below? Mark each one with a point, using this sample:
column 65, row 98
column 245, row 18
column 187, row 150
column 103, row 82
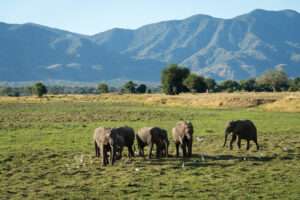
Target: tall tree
column 294, row 84
column 102, row 88
column 277, row 79
column 172, row 79
column 248, row 85
column 211, row 84
column 229, row 86
column 142, row 88
column 129, row 87
column 195, row 83
column 39, row 89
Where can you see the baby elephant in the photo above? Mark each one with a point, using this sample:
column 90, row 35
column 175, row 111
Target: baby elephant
column 150, row 136
column 241, row 129
column 127, row 134
column 106, row 140
column 183, row 136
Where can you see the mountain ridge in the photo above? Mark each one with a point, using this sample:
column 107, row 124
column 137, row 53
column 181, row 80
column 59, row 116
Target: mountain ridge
column 237, row 48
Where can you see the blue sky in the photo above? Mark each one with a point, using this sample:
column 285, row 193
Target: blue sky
column 93, row 16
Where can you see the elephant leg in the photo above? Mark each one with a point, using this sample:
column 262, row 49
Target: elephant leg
column 104, row 155
column 190, row 144
column 113, row 154
column 183, row 147
column 142, row 151
column 150, row 150
column 257, row 146
column 166, row 150
column 232, row 141
column 97, row 150
column 239, row 142
column 248, row 144
column 158, row 151
column 130, row 152
column 177, row 150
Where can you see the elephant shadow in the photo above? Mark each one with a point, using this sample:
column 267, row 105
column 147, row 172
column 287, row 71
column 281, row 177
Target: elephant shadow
column 204, row 160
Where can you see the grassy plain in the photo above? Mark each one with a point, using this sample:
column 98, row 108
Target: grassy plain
column 46, row 150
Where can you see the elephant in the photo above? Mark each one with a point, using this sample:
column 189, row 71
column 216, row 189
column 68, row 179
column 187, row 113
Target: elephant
column 128, row 136
column 183, row 136
column 106, row 140
column 150, row 136
column 241, row 129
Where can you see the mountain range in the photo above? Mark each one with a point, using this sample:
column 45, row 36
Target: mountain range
column 238, row 48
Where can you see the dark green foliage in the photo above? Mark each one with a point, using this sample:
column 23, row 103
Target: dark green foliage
column 211, row 84
column 172, row 79
column 39, row 89
column 248, row 85
column 141, row 89
column 129, row 87
column 229, row 86
column 276, row 79
column 294, row 84
column 102, row 88
column 195, row 83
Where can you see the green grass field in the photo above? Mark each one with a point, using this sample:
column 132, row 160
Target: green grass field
column 46, row 152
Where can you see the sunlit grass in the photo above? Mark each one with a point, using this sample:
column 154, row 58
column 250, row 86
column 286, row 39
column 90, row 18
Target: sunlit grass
column 46, row 152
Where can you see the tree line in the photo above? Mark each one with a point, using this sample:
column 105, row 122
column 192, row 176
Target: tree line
column 174, row 80
column 39, row 89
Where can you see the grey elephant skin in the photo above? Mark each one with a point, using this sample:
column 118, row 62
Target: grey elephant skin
column 127, row 133
column 183, row 137
column 106, row 140
column 241, row 129
column 150, row 136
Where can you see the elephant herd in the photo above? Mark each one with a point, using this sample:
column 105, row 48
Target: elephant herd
column 109, row 142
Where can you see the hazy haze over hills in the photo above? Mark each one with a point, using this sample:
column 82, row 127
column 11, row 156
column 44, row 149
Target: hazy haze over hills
column 237, row 48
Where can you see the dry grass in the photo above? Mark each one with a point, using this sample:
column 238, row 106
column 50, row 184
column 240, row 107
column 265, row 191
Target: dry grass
column 284, row 101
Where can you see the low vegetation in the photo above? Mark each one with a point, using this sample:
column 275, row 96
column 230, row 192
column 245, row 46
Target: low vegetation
column 46, row 149
column 174, row 80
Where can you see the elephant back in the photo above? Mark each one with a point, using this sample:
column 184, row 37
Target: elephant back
column 116, row 139
column 144, row 134
column 246, row 128
column 127, row 133
column 101, row 135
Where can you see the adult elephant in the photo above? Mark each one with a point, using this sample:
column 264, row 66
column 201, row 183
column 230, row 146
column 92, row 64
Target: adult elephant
column 241, row 129
column 127, row 133
column 106, row 140
column 150, row 136
column 183, row 136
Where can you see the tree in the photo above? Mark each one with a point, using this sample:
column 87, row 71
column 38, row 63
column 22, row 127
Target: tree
column 102, row 88
column 276, row 79
column 142, row 88
column 172, row 79
column 5, row 91
column 294, row 84
column 211, row 84
column 195, row 83
column 248, row 85
column 229, row 86
column 39, row 89
column 129, row 87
